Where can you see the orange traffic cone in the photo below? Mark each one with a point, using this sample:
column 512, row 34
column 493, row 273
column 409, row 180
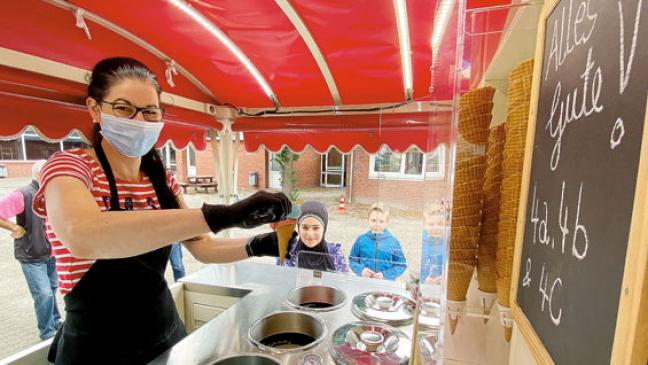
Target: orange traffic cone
column 342, row 206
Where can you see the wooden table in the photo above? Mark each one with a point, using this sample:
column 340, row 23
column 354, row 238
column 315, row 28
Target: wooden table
column 198, row 182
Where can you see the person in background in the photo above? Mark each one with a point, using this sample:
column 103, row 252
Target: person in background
column 33, row 251
column 175, row 259
column 433, row 250
column 377, row 253
column 310, row 250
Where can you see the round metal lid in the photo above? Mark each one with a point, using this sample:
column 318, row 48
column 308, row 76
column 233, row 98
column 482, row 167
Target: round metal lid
column 384, row 307
column 370, row 343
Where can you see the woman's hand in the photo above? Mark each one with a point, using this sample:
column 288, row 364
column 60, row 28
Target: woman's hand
column 258, row 209
column 378, row 275
column 367, row 273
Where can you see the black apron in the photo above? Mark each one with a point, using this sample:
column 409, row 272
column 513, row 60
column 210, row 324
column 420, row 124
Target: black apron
column 121, row 311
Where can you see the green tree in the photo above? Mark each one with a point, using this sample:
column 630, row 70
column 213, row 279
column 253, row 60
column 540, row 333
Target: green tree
column 286, row 160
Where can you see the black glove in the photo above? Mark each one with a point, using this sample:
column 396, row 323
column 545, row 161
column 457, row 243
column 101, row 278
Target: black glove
column 258, row 209
column 267, row 244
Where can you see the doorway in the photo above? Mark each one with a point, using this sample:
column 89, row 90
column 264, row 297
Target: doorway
column 274, row 172
column 333, row 164
column 191, row 161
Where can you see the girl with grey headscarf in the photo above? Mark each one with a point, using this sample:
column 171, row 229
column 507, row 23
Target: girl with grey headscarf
column 310, row 250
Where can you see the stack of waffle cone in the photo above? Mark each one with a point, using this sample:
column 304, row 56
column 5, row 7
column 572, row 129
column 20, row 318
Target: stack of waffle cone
column 487, row 249
column 519, row 98
column 474, row 120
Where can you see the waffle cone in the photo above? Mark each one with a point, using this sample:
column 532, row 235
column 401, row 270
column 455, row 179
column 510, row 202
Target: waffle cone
column 459, row 276
column 284, row 231
column 524, row 68
column 487, row 249
column 477, row 108
column 508, row 333
column 519, row 95
column 464, row 238
column 486, row 262
column 477, row 96
column 504, row 267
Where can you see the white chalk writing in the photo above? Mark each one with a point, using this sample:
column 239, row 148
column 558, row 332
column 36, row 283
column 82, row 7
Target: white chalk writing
column 624, row 72
column 618, row 131
column 558, row 122
column 560, row 39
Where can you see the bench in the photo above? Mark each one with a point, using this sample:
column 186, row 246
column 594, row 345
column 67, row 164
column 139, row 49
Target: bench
column 204, row 185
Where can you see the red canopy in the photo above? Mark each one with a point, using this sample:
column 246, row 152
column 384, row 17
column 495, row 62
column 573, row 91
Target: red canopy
column 358, row 40
column 399, row 131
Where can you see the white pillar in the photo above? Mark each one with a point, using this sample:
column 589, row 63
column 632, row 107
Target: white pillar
column 24, row 149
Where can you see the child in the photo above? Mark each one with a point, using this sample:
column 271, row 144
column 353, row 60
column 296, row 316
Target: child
column 433, row 250
column 377, row 254
column 311, row 250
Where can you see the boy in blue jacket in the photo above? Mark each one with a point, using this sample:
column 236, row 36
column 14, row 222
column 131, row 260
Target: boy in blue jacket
column 377, row 254
column 433, row 250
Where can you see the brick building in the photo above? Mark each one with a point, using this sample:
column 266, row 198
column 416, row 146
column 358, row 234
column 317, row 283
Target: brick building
column 189, row 162
column 407, row 180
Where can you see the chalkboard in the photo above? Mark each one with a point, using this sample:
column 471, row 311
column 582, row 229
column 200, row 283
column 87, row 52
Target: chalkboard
column 590, row 88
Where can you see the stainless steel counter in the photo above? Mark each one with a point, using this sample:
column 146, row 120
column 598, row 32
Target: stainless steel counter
column 266, row 287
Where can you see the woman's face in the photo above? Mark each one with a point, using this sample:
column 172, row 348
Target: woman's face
column 377, row 222
column 136, row 92
column 311, row 232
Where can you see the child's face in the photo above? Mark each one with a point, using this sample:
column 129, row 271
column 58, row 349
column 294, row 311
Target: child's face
column 377, row 222
column 311, row 232
column 434, row 225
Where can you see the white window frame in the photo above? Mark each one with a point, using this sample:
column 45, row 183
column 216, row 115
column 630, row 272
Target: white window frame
column 401, row 175
column 437, row 175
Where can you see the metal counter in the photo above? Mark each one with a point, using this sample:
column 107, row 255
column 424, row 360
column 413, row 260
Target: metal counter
column 267, row 287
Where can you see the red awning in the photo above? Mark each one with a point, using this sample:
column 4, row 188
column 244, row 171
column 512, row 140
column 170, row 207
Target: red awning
column 398, row 131
column 358, row 40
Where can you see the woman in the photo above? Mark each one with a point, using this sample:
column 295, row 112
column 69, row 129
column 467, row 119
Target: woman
column 112, row 212
column 310, row 250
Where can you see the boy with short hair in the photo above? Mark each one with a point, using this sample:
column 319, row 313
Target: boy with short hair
column 433, row 246
column 377, row 253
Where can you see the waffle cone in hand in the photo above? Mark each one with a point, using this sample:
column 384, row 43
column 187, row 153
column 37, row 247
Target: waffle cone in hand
column 284, row 231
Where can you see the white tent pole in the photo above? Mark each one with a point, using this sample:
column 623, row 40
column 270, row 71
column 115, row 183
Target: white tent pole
column 226, row 142
column 216, row 157
column 237, row 140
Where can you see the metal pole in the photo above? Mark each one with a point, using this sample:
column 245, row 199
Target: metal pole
column 226, row 157
column 24, row 149
column 237, row 140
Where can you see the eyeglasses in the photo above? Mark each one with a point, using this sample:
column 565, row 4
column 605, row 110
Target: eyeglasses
column 125, row 109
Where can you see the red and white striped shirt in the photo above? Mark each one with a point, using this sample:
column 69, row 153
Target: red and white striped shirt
column 77, row 164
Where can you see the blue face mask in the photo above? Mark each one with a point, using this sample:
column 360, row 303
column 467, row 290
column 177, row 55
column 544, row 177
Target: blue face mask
column 130, row 137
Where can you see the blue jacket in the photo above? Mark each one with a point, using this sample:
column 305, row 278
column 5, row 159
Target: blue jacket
column 433, row 254
column 379, row 253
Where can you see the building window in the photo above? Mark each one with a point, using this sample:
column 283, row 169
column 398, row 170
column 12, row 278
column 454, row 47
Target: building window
column 29, row 146
column 11, row 150
column 412, row 165
column 168, row 153
column 435, row 164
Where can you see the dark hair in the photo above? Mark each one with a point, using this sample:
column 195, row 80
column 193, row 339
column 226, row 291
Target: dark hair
column 105, row 75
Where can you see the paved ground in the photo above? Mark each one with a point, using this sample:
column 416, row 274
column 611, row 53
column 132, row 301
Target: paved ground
column 17, row 320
